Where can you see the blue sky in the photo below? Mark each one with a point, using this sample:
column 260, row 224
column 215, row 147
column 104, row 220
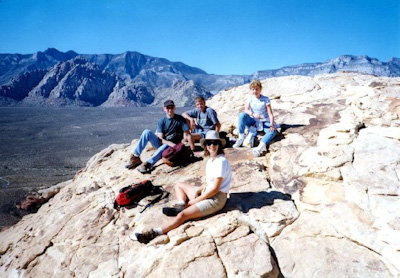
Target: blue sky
column 218, row 36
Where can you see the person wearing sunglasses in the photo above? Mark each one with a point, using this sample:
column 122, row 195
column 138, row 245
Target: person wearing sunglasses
column 194, row 201
column 171, row 129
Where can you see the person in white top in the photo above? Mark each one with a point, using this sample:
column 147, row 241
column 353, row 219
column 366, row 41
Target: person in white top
column 194, row 201
column 257, row 116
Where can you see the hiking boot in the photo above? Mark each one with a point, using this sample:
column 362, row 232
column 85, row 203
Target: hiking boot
column 147, row 236
column 133, row 162
column 145, row 168
column 238, row 143
column 174, row 210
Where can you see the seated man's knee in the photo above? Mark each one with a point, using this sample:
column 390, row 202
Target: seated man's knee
column 146, row 132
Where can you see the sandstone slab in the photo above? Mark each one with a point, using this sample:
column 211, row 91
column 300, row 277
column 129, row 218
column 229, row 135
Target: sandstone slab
column 323, row 202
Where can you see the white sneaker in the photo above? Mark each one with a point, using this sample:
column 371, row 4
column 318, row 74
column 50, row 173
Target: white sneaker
column 238, row 143
column 133, row 237
column 255, row 152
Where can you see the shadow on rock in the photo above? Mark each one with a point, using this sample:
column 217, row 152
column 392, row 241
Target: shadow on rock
column 244, row 201
column 285, row 127
column 280, row 135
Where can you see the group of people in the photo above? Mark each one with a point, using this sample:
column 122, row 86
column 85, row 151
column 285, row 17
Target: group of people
column 172, row 129
column 201, row 123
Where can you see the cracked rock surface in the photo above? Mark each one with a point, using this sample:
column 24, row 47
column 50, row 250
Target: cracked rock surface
column 323, row 202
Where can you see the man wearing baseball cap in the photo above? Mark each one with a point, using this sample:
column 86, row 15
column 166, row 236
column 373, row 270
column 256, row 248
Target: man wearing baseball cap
column 171, row 129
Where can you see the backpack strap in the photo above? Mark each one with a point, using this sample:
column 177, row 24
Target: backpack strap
column 162, row 195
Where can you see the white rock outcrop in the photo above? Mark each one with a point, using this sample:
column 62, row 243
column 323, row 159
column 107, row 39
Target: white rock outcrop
column 323, row 202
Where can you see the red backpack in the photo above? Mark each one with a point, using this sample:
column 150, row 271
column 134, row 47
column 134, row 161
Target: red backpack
column 131, row 194
column 177, row 155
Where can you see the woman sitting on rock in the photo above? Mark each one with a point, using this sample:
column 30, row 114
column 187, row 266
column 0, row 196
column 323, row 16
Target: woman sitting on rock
column 257, row 116
column 193, row 201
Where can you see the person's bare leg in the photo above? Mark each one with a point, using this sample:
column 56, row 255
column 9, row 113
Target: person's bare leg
column 184, row 191
column 187, row 214
column 196, row 137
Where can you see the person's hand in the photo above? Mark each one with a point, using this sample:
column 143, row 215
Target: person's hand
column 192, row 123
column 192, row 202
column 271, row 128
column 198, row 153
column 171, row 144
column 256, row 116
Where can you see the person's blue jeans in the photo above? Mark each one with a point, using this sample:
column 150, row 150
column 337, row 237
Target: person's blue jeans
column 146, row 137
column 246, row 121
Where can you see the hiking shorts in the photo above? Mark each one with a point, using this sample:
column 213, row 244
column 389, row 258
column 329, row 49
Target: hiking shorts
column 202, row 132
column 212, row 205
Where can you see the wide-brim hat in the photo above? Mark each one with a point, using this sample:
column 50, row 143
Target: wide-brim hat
column 211, row 135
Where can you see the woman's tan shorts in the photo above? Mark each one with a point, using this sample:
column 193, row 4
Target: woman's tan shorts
column 212, row 205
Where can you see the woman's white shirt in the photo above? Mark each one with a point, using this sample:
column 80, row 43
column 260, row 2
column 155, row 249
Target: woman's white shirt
column 216, row 168
column 259, row 106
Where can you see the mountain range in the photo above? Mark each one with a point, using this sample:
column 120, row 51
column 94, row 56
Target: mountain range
column 55, row 78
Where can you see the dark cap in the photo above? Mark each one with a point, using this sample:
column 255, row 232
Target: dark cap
column 169, row 103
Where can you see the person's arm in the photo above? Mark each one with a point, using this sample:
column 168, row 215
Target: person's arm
column 210, row 192
column 212, row 115
column 164, row 141
column 160, row 132
column 199, row 190
column 248, row 111
column 271, row 118
column 192, row 121
column 218, row 126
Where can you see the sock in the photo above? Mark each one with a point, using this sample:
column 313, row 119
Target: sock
column 159, row 231
column 260, row 147
column 181, row 202
column 241, row 136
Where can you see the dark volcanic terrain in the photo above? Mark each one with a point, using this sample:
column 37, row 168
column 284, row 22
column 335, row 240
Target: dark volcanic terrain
column 44, row 146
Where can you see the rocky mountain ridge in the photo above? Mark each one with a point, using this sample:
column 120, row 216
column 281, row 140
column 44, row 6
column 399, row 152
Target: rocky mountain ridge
column 349, row 63
column 128, row 79
column 323, row 202
column 134, row 79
